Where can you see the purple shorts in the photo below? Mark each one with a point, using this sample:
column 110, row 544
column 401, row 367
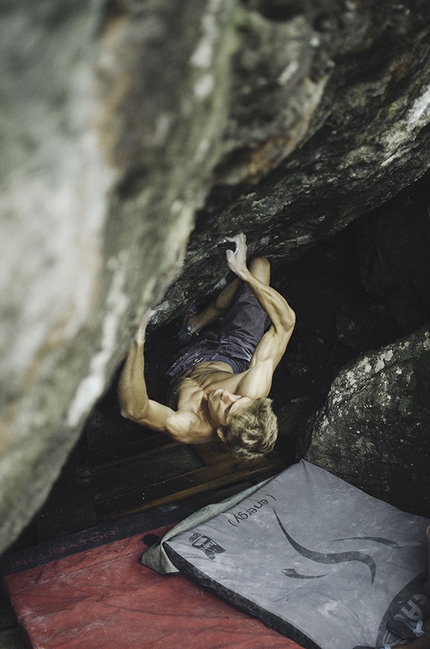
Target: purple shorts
column 241, row 330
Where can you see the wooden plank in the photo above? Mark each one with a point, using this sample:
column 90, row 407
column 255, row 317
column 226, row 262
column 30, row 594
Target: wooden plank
column 77, row 501
column 139, row 471
column 210, row 477
column 142, row 447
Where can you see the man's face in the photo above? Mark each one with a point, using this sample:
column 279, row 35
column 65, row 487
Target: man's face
column 222, row 404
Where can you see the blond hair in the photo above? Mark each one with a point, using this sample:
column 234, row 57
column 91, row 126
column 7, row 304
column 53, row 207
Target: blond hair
column 252, row 432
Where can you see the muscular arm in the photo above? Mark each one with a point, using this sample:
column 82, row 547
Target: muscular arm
column 273, row 344
column 276, row 306
column 135, row 403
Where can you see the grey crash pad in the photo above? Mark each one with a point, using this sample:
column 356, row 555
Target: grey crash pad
column 313, row 557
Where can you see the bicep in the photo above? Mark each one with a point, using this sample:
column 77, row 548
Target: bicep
column 176, row 424
column 154, row 415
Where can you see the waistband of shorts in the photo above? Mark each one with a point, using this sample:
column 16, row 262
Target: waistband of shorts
column 218, row 357
column 204, row 358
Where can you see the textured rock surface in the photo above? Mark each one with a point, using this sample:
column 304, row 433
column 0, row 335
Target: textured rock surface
column 120, row 120
column 99, row 185
column 323, row 162
column 372, row 430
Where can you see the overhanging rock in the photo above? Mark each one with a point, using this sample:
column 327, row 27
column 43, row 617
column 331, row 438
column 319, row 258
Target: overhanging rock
column 328, row 118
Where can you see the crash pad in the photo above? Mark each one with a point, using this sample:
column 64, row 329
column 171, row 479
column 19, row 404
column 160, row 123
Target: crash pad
column 89, row 591
column 314, row 558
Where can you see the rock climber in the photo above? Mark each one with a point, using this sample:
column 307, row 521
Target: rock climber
column 219, row 383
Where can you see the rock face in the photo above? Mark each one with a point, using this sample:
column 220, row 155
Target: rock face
column 124, row 124
column 372, row 429
column 99, row 184
column 321, row 128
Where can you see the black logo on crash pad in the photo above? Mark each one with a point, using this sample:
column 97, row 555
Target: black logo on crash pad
column 210, row 547
column 326, row 557
column 292, row 572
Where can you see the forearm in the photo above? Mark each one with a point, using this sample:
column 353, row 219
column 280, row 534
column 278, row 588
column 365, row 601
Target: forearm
column 276, row 306
column 132, row 393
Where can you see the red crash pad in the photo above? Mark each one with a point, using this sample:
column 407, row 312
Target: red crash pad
column 104, row 598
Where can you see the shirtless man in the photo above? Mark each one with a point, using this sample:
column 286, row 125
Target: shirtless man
column 220, row 387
